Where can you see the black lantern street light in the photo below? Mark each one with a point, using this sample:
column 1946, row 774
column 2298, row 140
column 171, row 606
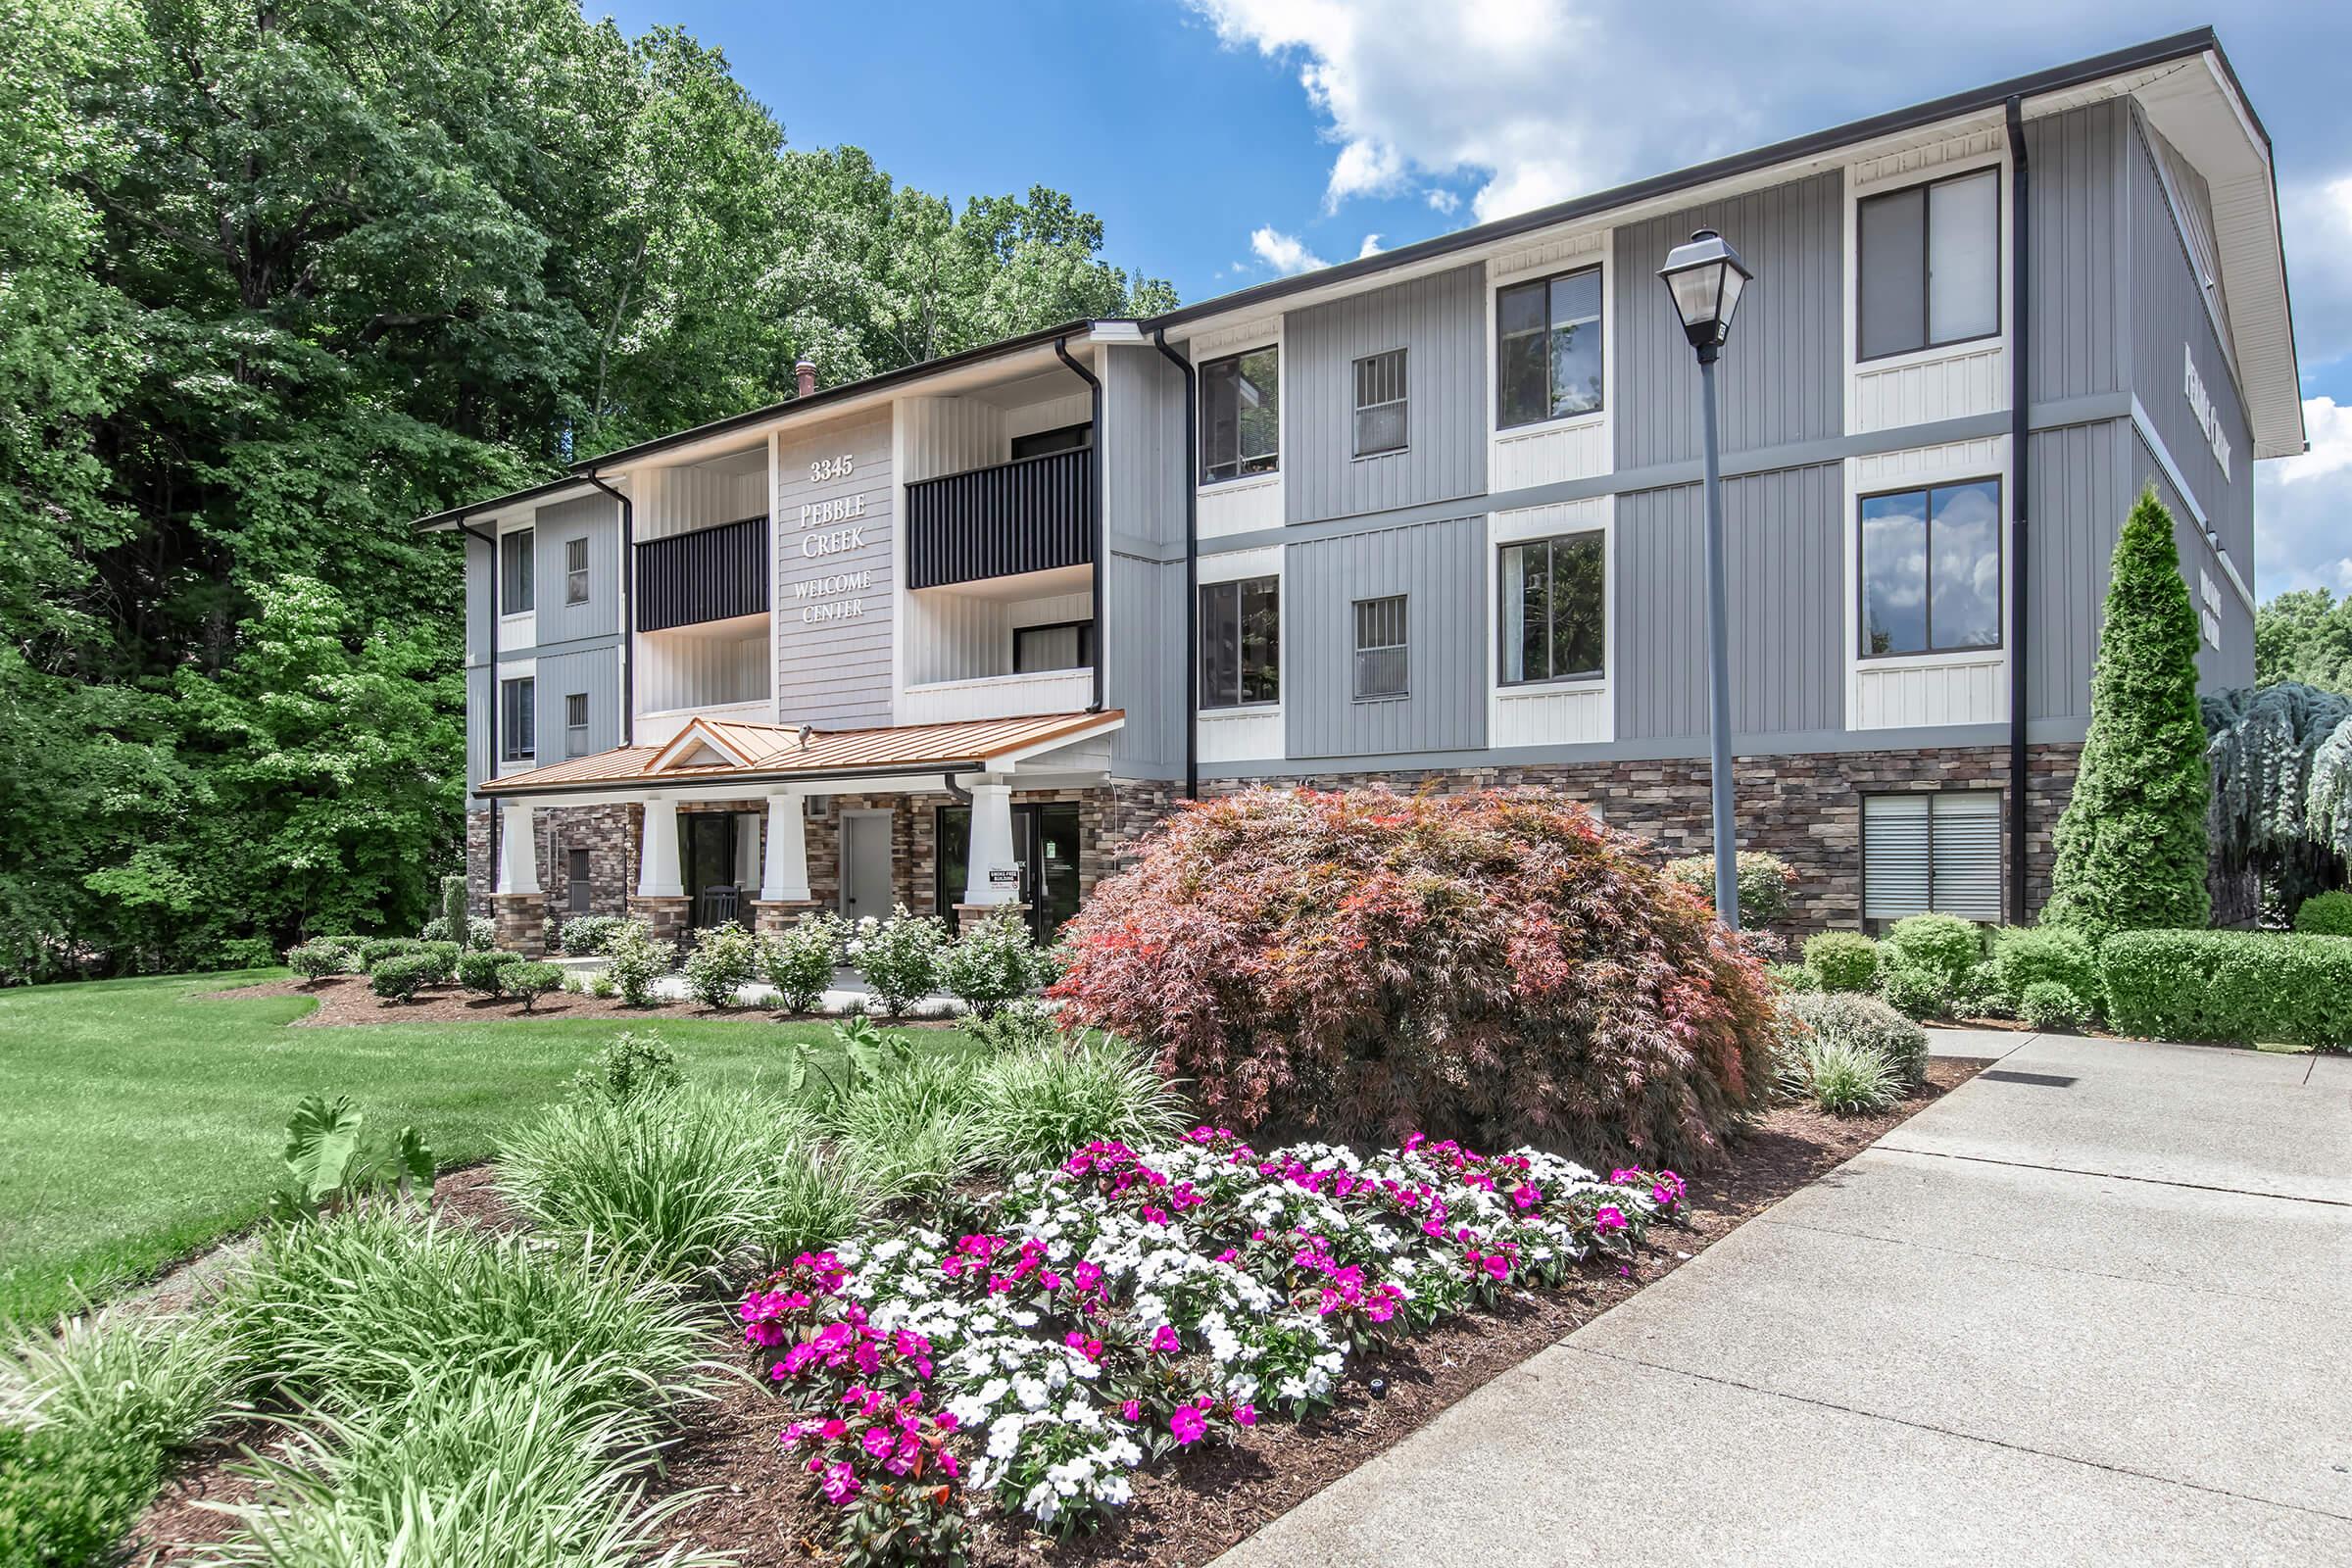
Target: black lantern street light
column 1707, row 278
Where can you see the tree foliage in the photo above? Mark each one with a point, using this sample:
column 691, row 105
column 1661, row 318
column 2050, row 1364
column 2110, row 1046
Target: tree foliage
column 277, row 279
column 2132, row 844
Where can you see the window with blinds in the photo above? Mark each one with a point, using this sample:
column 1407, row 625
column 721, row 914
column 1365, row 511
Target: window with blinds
column 1931, row 853
column 514, row 573
column 1380, row 404
column 1380, row 658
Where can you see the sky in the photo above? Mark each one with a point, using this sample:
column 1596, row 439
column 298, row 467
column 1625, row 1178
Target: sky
column 1223, row 142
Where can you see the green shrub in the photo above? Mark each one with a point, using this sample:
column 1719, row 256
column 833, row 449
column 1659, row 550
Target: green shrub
column 482, row 971
column 1943, row 946
column 1764, row 880
column 585, row 936
column 531, row 980
column 1869, row 1023
column 1843, row 961
column 899, row 958
column 990, row 964
column 634, row 961
column 1847, row 1080
column 443, row 955
column 66, row 1501
column 726, row 959
column 1035, row 1107
column 319, row 960
column 1917, row 993
column 637, row 1061
column 376, row 949
column 2050, row 1004
column 2229, row 985
column 801, row 960
column 2024, row 954
column 401, row 976
column 2326, row 914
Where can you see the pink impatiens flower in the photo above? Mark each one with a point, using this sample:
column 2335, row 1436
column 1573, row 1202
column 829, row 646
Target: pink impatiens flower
column 1188, row 1426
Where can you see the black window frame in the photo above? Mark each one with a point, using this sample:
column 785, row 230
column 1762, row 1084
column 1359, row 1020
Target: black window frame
column 519, row 718
column 575, row 579
column 2000, row 563
column 1378, row 604
column 1202, row 376
column 1086, row 645
column 1552, row 614
column 1927, row 265
column 1402, row 402
column 1550, row 394
column 526, row 573
column 1210, row 699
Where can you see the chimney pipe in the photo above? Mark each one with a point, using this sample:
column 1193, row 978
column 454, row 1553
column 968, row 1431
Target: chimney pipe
column 804, row 375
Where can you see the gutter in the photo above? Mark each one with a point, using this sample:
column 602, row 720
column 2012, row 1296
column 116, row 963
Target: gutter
column 1192, row 566
column 628, row 607
column 2021, row 446
column 1101, row 562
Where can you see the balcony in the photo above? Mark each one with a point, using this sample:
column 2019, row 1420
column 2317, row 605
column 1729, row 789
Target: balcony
column 715, row 574
column 1030, row 514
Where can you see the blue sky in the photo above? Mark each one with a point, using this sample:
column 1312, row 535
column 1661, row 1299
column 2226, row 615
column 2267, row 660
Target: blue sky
column 1224, row 141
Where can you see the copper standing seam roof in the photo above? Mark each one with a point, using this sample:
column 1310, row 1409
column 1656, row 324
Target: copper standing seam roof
column 775, row 751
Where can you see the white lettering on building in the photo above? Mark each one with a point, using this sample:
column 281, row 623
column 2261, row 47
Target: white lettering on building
column 2209, row 418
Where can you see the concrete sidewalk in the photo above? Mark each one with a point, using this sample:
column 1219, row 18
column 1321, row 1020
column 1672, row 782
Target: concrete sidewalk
column 2092, row 1306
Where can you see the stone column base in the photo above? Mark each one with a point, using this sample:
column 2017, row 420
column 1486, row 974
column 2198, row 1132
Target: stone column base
column 770, row 916
column 520, row 919
column 968, row 916
column 670, row 920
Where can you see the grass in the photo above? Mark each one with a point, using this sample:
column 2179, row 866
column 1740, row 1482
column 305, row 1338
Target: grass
column 143, row 1121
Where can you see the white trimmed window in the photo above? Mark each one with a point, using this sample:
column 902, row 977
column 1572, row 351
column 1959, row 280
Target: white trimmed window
column 1931, row 853
column 1380, row 421
column 1929, row 265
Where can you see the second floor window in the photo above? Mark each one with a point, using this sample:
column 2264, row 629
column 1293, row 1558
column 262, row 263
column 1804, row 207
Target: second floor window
column 575, row 572
column 1927, row 267
column 1241, row 416
column 514, row 573
column 1241, row 643
column 1380, row 648
column 1932, row 569
column 575, row 724
column 1380, row 404
column 1548, row 348
column 518, row 719
column 1553, row 609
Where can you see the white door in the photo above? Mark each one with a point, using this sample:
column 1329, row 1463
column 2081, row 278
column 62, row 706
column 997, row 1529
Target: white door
column 865, row 865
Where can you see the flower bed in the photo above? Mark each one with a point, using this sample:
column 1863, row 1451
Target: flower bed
column 1132, row 1304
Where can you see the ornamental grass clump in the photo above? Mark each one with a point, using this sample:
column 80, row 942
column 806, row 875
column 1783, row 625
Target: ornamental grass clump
column 1497, row 966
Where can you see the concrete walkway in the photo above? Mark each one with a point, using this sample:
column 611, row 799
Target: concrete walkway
column 2093, row 1306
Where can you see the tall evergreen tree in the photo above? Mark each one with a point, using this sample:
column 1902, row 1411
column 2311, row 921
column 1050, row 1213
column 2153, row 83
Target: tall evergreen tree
column 2131, row 846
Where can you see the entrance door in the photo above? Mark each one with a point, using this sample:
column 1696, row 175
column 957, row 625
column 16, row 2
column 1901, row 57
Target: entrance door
column 865, row 865
column 1045, row 846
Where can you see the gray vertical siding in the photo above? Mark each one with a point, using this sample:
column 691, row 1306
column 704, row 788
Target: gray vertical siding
column 1140, row 448
column 1440, row 569
column 2075, row 296
column 1781, row 375
column 594, row 673
column 1787, row 572
column 597, row 518
column 1441, row 322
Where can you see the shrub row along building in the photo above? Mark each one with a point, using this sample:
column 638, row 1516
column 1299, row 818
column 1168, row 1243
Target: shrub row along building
column 952, row 636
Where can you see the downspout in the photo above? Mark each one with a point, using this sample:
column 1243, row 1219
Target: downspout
column 1101, row 563
column 1192, row 569
column 628, row 609
column 2021, row 435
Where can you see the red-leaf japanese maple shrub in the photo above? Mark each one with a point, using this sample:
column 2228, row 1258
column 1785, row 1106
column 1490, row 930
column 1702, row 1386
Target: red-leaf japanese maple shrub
column 1497, row 967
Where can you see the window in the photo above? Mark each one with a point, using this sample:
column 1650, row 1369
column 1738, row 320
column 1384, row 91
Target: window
column 575, row 724
column 517, row 715
column 1380, row 404
column 1929, row 267
column 1065, row 645
column 1241, row 416
column 575, row 572
column 1069, row 438
column 1240, row 642
column 1548, row 348
column 578, row 885
column 1938, row 852
column 1380, row 661
column 1932, row 569
column 514, row 574
column 1553, row 609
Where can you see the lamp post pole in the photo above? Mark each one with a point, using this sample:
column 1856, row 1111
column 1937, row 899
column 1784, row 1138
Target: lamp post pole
column 1719, row 658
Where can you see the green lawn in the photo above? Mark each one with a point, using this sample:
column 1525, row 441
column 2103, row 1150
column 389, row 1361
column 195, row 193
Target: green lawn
column 139, row 1120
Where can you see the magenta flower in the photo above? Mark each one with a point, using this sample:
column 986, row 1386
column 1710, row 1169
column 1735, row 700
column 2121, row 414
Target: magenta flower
column 1188, row 1425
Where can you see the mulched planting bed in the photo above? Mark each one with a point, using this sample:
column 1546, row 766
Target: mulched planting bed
column 348, row 1001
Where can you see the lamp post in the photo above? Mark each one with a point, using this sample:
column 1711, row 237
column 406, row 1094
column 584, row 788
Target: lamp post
column 1706, row 278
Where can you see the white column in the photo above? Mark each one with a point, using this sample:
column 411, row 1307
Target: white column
column 518, row 865
column 658, row 875
column 990, row 846
column 785, row 873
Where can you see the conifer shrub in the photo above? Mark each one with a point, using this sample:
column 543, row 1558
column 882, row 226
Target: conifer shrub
column 2132, row 844
column 1497, row 967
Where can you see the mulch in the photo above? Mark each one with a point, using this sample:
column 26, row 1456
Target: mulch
column 347, row 1001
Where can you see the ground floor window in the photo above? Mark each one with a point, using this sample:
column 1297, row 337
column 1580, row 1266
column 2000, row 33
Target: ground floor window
column 1045, row 845
column 1931, row 853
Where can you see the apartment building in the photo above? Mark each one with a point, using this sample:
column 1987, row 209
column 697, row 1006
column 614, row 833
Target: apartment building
column 952, row 637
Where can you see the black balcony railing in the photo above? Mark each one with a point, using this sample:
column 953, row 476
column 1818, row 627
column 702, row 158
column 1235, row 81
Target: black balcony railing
column 708, row 574
column 1031, row 514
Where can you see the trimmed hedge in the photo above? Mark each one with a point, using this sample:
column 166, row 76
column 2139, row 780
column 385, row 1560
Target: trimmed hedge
column 2229, row 985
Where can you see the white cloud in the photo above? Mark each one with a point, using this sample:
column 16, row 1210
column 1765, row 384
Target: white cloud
column 2302, row 505
column 1284, row 253
column 1370, row 246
